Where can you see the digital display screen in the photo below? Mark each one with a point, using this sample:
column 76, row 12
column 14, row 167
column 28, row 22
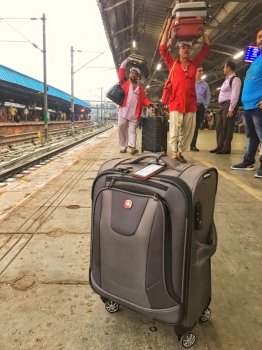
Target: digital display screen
column 252, row 53
column 148, row 171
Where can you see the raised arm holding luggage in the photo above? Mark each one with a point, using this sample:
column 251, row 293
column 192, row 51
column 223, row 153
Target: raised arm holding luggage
column 183, row 101
column 131, row 108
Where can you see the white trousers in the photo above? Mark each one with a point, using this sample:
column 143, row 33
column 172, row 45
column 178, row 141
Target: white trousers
column 181, row 130
column 127, row 133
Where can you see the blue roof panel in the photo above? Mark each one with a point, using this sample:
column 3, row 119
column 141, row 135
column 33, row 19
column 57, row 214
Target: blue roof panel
column 11, row 76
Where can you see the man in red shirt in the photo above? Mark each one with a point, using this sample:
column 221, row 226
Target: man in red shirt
column 130, row 110
column 183, row 102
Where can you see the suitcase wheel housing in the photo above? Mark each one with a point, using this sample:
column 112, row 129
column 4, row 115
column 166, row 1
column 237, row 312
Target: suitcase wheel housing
column 111, row 306
column 206, row 315
column 188, row 340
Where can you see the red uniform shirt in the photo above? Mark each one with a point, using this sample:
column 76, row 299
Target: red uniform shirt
column 183, row 98
column 142, row 100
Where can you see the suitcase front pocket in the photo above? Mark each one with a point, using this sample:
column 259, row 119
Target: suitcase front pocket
column 132, row 238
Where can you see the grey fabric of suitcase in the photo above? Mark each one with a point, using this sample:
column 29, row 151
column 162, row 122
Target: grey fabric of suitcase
column 153, row 256
column 190, row 9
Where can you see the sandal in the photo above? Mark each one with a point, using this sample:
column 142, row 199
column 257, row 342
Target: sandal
column 174, row 156
column 134, row 151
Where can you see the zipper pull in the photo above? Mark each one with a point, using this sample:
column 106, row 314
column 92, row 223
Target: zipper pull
column 124, row 171
column 156, row 197
column 111, row 182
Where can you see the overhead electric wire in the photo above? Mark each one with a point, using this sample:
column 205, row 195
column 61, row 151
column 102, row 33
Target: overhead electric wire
column 21, row 34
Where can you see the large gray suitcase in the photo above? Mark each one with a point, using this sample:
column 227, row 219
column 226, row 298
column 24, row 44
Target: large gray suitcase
column 190, row 9
column 152, row 240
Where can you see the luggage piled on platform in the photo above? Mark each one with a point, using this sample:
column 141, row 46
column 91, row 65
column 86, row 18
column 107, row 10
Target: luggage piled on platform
column 187, row 21
column 152, row 239
column 154, row 134
column 154, row 131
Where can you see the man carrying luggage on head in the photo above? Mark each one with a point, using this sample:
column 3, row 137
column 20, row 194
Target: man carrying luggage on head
column 252, row 102
column 183, row 102
column 130, row 110
column 228, row 100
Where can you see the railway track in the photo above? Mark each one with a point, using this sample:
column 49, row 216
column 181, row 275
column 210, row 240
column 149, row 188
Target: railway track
column 22, row 160
column 38, row 137
column 13, row 146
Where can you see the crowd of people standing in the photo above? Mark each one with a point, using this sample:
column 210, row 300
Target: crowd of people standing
column 189, row 101
column 13, row 114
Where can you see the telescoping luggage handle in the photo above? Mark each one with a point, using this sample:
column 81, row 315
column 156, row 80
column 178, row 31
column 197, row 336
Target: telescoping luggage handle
column 160, row 159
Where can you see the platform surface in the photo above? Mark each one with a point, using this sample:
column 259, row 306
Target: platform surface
column 45, row 298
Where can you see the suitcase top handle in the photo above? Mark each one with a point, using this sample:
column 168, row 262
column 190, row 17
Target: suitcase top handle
column 159, row 159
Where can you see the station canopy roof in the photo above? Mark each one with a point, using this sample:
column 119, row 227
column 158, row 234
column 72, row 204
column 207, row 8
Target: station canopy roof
column 19, row 88
column 231, row 26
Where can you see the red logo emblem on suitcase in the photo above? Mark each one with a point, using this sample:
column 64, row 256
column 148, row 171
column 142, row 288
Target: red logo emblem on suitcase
column 128, row 204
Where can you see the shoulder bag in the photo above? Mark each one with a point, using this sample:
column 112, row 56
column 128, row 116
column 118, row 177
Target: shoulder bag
column 167, row 90
column 116, row 94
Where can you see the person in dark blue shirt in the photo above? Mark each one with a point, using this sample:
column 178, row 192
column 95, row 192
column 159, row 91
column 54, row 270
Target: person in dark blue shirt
column 203, row 100
column 252, row 102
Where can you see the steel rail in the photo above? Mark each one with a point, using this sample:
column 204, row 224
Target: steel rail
column 22, row 163
column 32, row 136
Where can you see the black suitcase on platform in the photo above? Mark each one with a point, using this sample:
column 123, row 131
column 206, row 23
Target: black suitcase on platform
column 154, row 134
column 152, row 240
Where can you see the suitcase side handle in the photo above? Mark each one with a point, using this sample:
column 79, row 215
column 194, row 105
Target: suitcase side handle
column 160, row 159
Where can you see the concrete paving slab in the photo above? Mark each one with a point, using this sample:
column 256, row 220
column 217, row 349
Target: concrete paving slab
column 7, row 201
column 4, row 238
column 27, row 220
column 17, row 192
column 51, row 259
column 11, row 249
column 90, row 175
column 69, row 220
column 233, row 193
column 236, row 277
column 80, row 197
column 58, row 193
column 45, row 197
column 19, row 218
column 71, row 317
column 47, row 273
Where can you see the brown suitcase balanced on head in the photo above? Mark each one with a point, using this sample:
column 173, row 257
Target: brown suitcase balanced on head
column 135, row 60
column 152, row 240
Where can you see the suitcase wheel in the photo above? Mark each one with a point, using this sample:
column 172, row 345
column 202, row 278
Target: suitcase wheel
column 188, row 340
column 111, row 306
column 206, row 315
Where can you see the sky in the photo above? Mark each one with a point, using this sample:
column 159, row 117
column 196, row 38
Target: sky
column 68, row 23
